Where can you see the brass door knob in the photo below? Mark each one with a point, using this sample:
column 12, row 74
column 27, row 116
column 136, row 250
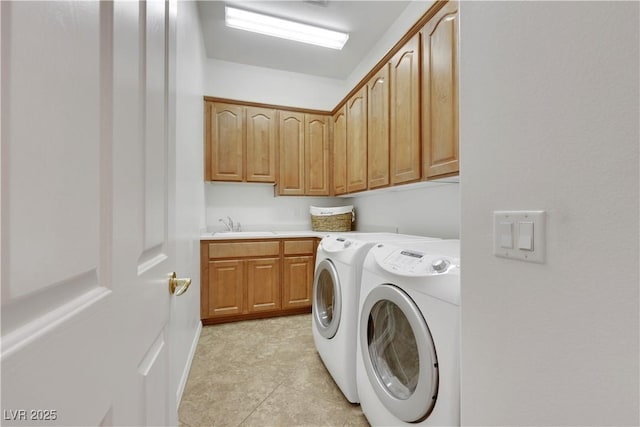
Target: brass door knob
column 177, row 286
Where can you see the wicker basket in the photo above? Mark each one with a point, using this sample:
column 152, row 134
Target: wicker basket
column 332, row 219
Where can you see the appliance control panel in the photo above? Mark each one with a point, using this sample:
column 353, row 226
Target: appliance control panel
column 415, row 263
column 337, row 243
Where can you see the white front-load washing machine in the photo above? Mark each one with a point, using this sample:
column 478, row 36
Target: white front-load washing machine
column 407, row 369
column 335, row 301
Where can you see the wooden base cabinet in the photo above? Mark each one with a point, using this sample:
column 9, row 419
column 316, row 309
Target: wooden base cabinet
column 263, row 285
column 227, row 298
column 243, row 286
column 299, row 265
column 243, row 279
column 298, row 281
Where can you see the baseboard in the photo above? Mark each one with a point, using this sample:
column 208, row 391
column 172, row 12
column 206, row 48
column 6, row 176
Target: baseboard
column 187, row 367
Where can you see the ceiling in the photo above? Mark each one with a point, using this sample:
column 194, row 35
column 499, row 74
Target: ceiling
column 365, row 21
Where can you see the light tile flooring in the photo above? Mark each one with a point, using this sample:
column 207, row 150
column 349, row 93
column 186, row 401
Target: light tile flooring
column 263, row 373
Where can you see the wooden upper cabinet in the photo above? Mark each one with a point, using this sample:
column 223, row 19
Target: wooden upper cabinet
column 440, row 93
column 378, row 129
column 405, row 113
column 256, row 143
column 339, row 152
column 224, row 142
column 291, row 151
column 261, row 145
column 398, row 127
column 316, row 142
column 240, row 143
column 357, row 141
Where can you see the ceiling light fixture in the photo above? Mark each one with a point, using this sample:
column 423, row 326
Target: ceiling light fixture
column 268, row 25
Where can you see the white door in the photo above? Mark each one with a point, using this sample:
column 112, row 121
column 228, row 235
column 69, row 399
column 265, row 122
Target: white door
column 87, row 212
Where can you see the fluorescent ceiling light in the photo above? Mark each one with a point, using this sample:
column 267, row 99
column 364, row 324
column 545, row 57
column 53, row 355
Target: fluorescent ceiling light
column 277, row 27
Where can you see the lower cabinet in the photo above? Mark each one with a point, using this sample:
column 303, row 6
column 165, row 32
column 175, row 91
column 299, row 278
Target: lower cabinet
column 228, row 297
column 243, row 279
column 298, row 274
column 263, row 285
column 243, row 286
column 299, row 266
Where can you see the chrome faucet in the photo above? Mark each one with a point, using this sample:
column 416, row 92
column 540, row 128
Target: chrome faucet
column 230, row 224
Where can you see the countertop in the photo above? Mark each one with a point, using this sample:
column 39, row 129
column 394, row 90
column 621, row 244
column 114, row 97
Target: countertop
column 227, row 235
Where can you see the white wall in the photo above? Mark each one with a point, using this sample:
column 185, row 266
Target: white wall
column 256, row 208
column 185, row 311
column 549, row 120
column 394, row 33
column 265, row 85
column 425, row 209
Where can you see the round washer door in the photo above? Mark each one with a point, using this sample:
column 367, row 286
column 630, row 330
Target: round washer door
column 398, row 353
column 327, row 300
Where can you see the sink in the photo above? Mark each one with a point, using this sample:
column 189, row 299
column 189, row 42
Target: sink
column 290, row 233
column 243, row 234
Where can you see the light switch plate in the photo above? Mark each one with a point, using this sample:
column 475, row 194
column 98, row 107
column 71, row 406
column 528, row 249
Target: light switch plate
column 517, row 218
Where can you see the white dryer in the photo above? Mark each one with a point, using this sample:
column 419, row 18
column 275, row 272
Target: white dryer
column 335, row 301
column 408, row 334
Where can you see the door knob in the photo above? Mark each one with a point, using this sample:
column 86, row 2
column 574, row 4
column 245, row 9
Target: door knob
column 177, row 286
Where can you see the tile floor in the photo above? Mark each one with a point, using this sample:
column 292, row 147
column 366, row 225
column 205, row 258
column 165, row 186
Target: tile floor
column 263, row 373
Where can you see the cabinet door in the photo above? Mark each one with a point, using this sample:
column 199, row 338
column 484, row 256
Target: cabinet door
column 440, row 93
column 405, row 113
column 378, row 129
column 357, row 141
column 226, row 288
column 340, row 152
column 297, row 281
column 260, row 163
column 291, row 149
column 316, row 140
column 225, row 142
column 263, row 285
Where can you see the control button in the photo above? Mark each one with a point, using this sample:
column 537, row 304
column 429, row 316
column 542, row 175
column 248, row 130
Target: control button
column 347, row 243
column 505, row 231
column 525, row 235
column 440, row 265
